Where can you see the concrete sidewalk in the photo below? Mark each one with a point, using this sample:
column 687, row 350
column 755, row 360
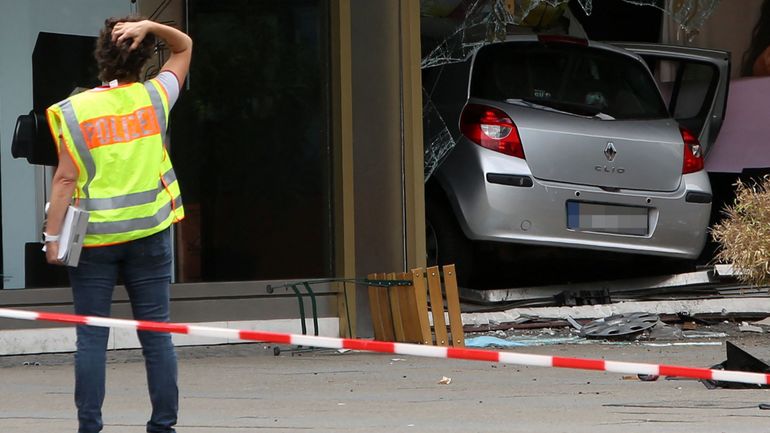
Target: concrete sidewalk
column 244, row 388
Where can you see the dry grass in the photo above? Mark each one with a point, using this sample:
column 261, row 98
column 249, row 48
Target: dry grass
column 744, row 233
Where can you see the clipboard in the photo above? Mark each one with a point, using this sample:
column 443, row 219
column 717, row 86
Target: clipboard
column 73, row 233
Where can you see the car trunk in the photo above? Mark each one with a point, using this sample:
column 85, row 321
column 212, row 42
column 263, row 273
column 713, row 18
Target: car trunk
column 630, row 154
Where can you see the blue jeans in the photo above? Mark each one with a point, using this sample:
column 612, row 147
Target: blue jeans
column 145, row 266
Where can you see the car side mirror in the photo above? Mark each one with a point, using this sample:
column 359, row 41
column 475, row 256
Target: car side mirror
column 32, row 140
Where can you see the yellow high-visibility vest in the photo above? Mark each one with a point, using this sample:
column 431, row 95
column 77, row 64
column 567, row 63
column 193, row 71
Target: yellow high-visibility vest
column 125, row 177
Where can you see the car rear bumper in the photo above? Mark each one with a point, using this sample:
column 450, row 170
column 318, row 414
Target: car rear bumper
column 496, row 198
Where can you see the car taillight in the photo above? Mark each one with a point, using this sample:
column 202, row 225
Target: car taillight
column 491, row 128
column 693, row 155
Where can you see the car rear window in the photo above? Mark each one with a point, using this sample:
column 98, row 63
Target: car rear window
column 567, row 77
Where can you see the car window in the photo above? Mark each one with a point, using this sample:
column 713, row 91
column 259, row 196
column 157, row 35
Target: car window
column 689, row 103
column 567, row 77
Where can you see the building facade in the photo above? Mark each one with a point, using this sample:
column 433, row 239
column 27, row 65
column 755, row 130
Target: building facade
column 297, row 141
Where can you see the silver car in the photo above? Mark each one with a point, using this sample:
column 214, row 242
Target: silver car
column 573, row 143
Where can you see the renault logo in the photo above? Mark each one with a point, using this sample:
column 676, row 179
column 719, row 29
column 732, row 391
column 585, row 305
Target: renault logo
column 610, row 151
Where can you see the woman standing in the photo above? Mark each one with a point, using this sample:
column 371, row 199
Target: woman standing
column 113, row 163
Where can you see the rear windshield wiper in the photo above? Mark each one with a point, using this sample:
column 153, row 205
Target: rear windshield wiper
column 562, row 106
column 536, row 105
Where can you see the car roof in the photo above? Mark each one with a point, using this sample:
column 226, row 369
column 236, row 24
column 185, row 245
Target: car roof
column 534, row 38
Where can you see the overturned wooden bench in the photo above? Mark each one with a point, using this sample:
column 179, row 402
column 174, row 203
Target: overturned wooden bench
column 414, row 311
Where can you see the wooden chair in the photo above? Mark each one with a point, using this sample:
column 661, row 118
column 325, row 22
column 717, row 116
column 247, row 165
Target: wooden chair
column 402, row 313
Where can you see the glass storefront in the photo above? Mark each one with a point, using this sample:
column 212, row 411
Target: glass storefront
column 250, row 141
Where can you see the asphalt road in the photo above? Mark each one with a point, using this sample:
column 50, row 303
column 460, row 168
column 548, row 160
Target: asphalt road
column 245, row 388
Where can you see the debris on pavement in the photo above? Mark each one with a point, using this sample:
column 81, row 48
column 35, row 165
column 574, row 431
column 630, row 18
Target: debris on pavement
column 642, row 377
column 489, row 341
column 746, row 327
column 648, row 377
column 619, row 325
column 738, row 360
column 703, row 334
column 574, row 323
column 630, row 328
column 685, row 343
column 689, row 326
column 445, row 380
column 663, row 331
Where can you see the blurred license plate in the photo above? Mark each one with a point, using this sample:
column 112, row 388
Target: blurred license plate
column 626, row 220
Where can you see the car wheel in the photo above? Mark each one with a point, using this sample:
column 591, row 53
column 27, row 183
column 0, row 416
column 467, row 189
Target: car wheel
column 445, row 242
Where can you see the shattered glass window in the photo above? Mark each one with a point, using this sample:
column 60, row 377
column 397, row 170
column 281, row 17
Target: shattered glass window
column 453, row 30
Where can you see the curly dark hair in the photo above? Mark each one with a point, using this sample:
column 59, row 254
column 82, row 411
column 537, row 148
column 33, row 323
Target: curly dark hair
column 760, row 39
column 116, row 61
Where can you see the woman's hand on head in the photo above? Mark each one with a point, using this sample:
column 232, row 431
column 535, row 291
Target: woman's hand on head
column 135, row 31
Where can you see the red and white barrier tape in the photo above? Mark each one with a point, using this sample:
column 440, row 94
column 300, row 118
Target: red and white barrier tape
column 399, row 348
